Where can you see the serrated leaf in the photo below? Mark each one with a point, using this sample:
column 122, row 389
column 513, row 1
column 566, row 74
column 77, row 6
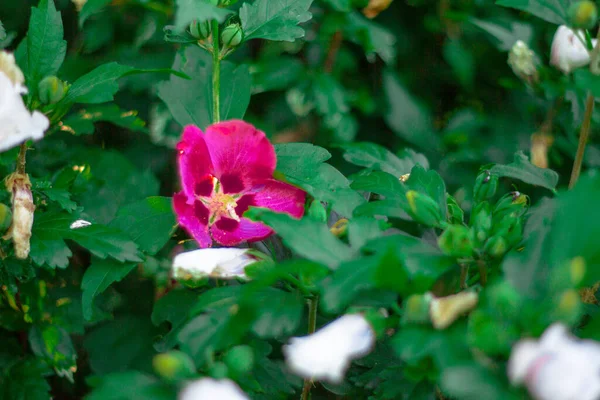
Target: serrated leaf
column 308, row 238
column 198, row 10
column 174, row 307
column 299, row 161
column 429, row 183
column 407, row 117
column 554, row 11
column 523, row 170
column 97, row 86
column 46, row 48
column 374, row 38
column 371, row 155
column 83, row 121
column 62, row 197
column 275, row 19
column 190, row 102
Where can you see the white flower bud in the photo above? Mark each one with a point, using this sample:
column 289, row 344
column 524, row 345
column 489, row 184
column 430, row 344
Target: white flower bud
column 9, row 67
column 557, row 367
column 208, row 388
column 522, row 60
column 23, row 209
column 327, row 353
column 80, row 223
column 568, row 52
column 445, row 310
column 224, row 263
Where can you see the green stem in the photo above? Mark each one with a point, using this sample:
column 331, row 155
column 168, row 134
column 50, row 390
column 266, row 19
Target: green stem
column 588, row 40
column 216, row 86
column 583, row 139
column 312, row 326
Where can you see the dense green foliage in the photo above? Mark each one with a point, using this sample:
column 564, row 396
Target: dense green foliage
column 354, row 105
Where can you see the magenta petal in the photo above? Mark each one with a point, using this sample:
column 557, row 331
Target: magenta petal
column 246, row 231
column 192, row 218
column 194, row 159
column 280, row 197
column 239, row 150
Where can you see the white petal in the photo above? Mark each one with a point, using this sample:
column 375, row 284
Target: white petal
column 80, row 223
column 210, row 389
column 219, row 263
column 568, row 52
column 17, row 124
column 327, row 353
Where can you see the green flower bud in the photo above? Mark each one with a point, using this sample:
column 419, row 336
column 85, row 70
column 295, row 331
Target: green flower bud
column 513, row 204
column 317, row 211
column 481, row 222
column 174, row 365
column 219, row 370
column 583, row 14
column 51, row 90
column 423, row 209
column 200, row 30
column 227, row 3
column 496, row 246
column 232, row 35
column 455, row 214
column 5, row 217
column 510, row 228
column 416, row 309
column 239, row 360
column 456, row 241
column 486, row 185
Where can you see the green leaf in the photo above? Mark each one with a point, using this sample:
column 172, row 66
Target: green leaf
column 97, row 86
column 363, row 229
column 180, row 94
column 198, row 10
column 24, row 380
column 381, row 183
column 505, row 37
column 275, row 19
column 60, row 196
column 121, row 345
column 371, row 155
column 50, row 229
column 53, row 344
column 407, row 117
column 149, row 223
column 46, row 48
column 97, row 278
column 299, row 162
column 585, row 80
column 174, row 308
column 429, row 183
column 90, row 8
column 279, row 313
column 82, row 122
column 461, row 60
column 472, row 381
column 523, row 170
column 329, row 94
column 131, row 385
column 308, row 238
column 276, row 74
column 2, row 32
column 374, row 38
column 553, row 11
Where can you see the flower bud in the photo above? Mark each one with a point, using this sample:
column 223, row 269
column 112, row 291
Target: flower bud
column 455, row 214
column 486, row 185
column 219, row 370
column 317, row 211
column 5, row 217
column 239, row 360
column 583, row 14
column 416, row 309
column 481, row 222
column 51, row 90
column 200, row 30
column 174, row 365
column 510, row 228
column 445, row 310
column 568, row 52
column 456, row 241
column 522, row 60
column 23, row 208
column 496, row 246
column 513, row 204
column 232, row 35
column 423, row 208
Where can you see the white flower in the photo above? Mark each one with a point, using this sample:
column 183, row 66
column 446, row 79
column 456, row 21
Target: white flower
column 568, row 52
column 217, row 263
column 23, row 210
column 211, row 389
column 327, row 353
column 522, row 60
column 557, row 367
column 80, row 223
column 9, row 67
column 17, row 124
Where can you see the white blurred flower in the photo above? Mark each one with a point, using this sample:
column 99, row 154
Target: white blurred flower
column 327, row 353
column 568, row 52
column 17, row 124
column 23, row 209
column 443, row 311
column 80, row 223
column 9, row 67
column 79, row 4
column 211, row 389
column 217, row 263
column 523, row 61
column 557, row 367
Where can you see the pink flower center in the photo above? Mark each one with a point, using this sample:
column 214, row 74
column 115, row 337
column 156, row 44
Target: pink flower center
column 219, row 204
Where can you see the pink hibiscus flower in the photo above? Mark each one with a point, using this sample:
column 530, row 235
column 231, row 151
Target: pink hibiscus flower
column 224, row 172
